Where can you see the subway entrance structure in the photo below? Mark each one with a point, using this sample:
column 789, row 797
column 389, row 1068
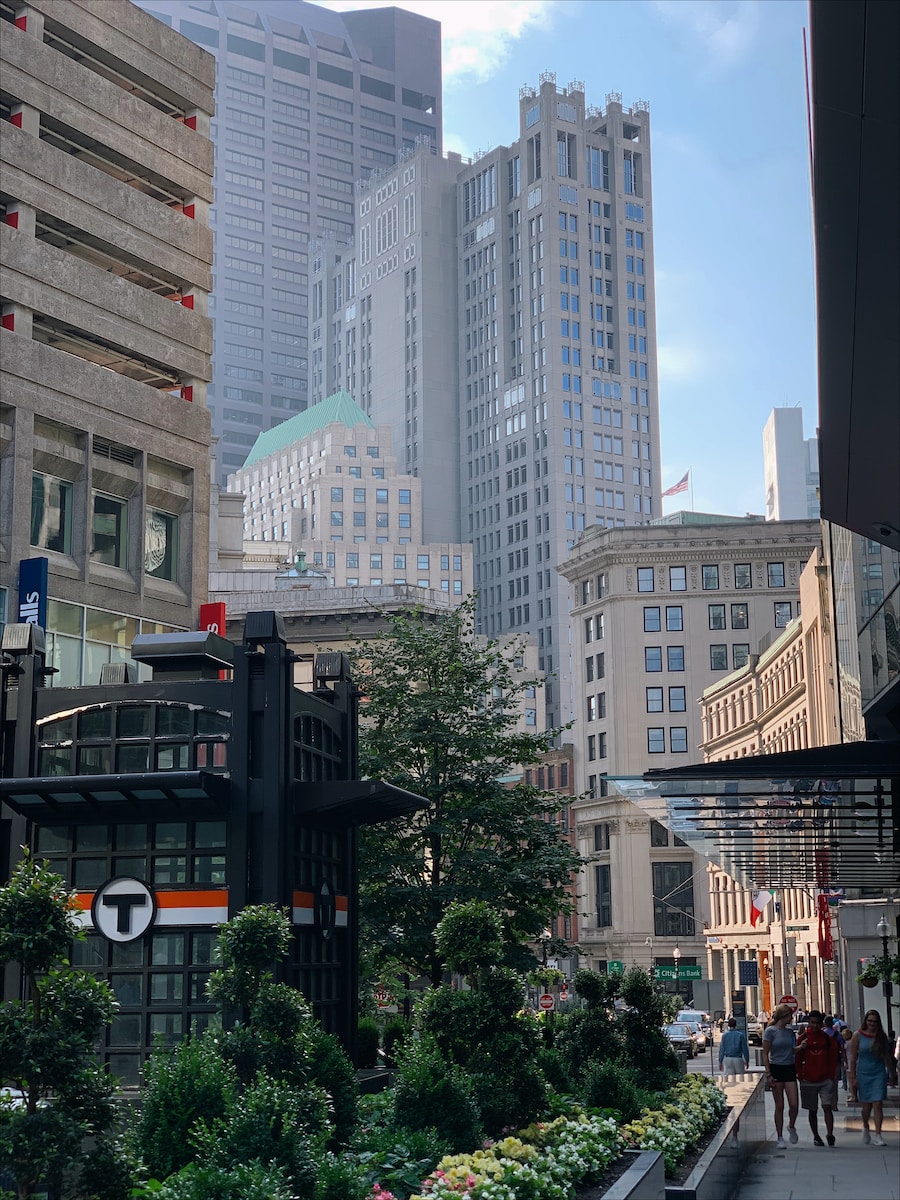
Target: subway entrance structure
column 228, row 778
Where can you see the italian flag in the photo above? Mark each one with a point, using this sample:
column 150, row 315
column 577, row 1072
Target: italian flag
column 758, row 905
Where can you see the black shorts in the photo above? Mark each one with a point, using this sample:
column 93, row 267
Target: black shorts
column 783, row 1074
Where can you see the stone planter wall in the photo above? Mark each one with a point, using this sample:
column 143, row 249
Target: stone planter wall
column 645, row 1179
column 718, row 1172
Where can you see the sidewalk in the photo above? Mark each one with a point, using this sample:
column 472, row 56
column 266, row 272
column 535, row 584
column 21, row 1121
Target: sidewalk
column 848, row 1171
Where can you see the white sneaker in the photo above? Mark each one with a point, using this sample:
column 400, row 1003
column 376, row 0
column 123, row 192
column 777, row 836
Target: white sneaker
column 781, row 1144
column 878, row 1140
column 867, row 1137
column 793, row 1135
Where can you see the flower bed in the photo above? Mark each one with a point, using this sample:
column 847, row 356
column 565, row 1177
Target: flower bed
column 549, row 1160
column 696, row 1106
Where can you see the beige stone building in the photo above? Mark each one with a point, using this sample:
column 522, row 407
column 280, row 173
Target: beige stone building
column 105, row 342
column 659, row 613
column 325, row 485
column 785, row 698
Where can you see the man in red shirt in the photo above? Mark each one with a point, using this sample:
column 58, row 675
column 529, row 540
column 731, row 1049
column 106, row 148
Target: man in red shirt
column 817, row 1059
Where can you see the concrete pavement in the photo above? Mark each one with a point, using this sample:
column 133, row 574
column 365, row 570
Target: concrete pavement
column 848, row 1171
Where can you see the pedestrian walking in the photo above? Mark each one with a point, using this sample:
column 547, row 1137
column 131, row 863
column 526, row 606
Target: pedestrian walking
column 817, row 1058
column 833, row 1031
column 779, row 1043
column 734, row 1052
column 872, row 1064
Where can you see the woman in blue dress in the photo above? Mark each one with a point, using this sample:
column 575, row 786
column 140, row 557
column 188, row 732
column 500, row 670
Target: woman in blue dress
column 871, row 1065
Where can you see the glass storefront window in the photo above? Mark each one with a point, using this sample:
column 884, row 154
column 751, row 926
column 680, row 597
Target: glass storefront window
column 131, row 837
column 128, row 954
column 91, row 837
column 166, row 988
column 134, row 720
column 129, row 989
column 175, row 757
column 89, row 872
column 87, row 952
column 171, row 835
column 209, row 834
column 209, row 868
column 116, row 628
column 169, row 1025
column 167, row 949
column 136, row 867
column 170, row 869
column 51, row 839
column 173, row 721
column 125, row 1029
column 132, row 758
column 95, row 723
column 205, row 948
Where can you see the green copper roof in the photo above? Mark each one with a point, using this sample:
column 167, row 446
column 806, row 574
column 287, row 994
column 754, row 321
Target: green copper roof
column 339, row 409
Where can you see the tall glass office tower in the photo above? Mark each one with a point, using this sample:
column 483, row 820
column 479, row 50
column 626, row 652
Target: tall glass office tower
column 308, row 101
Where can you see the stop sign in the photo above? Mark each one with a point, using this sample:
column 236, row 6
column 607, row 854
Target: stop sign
column 791, row 1002
column 545, row 1002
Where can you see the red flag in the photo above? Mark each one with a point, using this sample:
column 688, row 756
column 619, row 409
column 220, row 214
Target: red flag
column 680, row 486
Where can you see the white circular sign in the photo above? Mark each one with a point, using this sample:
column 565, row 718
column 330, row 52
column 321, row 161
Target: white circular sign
column 123, row 909
column 545, row 1002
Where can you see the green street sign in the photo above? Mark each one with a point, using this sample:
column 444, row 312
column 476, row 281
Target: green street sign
column 615, row 965
column 688, row 971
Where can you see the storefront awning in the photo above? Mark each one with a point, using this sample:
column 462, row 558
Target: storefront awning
column 822, row 817
column 353, row 802
column 152, row 795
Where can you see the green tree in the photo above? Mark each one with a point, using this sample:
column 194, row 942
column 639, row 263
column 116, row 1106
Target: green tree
column 47, row 1040
column 442, row 720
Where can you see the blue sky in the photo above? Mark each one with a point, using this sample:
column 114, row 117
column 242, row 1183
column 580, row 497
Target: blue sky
column 733, row 237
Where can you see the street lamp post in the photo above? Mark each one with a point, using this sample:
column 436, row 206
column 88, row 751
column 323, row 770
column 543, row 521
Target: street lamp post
column 649, row 942
column 884, row 930
column 676, row 954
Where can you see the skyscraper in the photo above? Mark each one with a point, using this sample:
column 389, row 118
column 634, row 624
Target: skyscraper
column 549, row 258
column 791, row 466
column 308, row 102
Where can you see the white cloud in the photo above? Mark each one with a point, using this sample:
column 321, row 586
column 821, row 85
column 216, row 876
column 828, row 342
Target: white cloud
column 725, row 30
column 679, row 362
column 478, row 35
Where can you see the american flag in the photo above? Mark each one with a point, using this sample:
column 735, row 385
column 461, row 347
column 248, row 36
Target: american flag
column 680, row 486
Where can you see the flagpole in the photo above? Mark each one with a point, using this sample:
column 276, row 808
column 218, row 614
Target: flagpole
column 691, row 474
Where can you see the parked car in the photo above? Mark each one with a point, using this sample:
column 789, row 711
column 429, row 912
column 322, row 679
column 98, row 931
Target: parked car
column 681, row 1037
column 701, row 1037
column 703, row 1019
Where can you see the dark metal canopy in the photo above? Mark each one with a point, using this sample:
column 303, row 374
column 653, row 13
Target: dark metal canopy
column 154, row 794
column 353, row 802
column 823, row 817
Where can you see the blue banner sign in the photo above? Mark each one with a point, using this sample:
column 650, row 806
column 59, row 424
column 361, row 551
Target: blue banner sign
column 33, row 591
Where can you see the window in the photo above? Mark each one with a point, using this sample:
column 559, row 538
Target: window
column 51, row 513
column 674, row 618
column 718, row 658
column 603, row 884
column 403, row 496
column 645, row 579
column 775, row 574
column 677, row 699
column 673, row 900
column 659, row 835
column 716, row 616
column 108, row 530
column 740, row 652
column 654, row 699
column 353, row 559
column 591, row 708
column 675, row 658
column 656, row 740
column 161, row 545
column 710, row 579
column 337, row 495
column 652, row 658
column 740, row 618
column 422, row 562
column 678, row 742
column 652, row 623
column 782, row 613
column 337, row 518
column 399, row 562
column 601, row 836
column 742, row 575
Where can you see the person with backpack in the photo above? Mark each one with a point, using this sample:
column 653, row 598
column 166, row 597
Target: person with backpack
column 833, row 1030
column 818, row 1058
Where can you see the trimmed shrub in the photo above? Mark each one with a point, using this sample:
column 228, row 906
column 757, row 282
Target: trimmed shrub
column 614, row 1085
column 367, row 1043
column 243, row 1181
column 333, row 1071
column 182, row 1087
column 340, row 1179
column 430, row 1093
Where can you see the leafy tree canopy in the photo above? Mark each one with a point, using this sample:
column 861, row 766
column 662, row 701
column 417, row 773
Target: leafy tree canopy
column 443, row 720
